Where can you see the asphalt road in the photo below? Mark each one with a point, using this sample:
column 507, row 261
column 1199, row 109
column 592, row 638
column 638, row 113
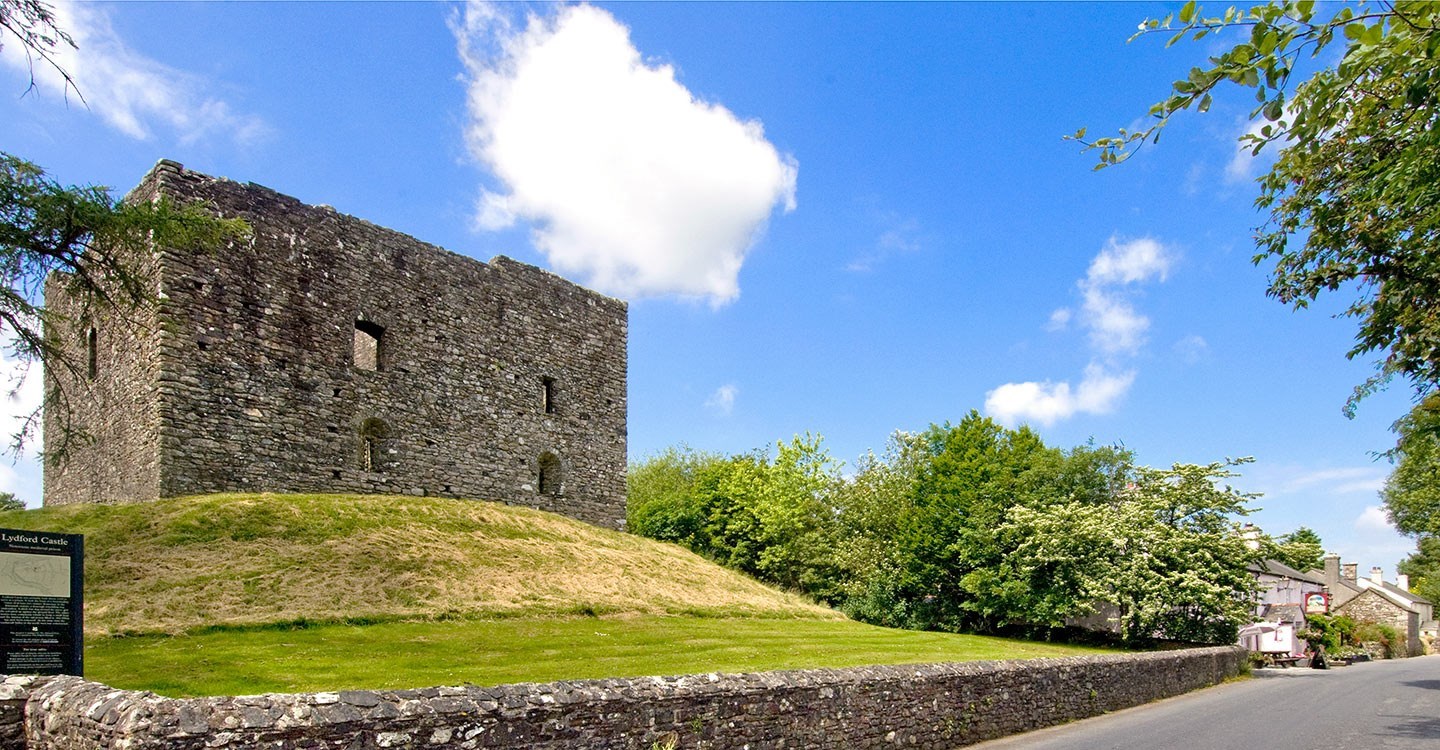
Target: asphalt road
column 1374, row 706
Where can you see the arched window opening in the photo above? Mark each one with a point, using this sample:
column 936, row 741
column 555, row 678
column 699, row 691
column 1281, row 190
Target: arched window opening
column 549, row 480
column 374, row 445
column 369, row 345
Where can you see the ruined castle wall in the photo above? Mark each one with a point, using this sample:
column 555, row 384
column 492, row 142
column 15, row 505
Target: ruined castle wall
column 486, row 376
column 102, row 419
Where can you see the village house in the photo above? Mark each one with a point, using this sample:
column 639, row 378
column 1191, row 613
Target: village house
column 1374, row 599
column 1279, row 608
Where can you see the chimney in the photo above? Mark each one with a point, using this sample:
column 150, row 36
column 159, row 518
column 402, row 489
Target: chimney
column 1251, row 534
column 1377, row 576
column 1349, row 570
column 1402, row 581
column 1332, row 571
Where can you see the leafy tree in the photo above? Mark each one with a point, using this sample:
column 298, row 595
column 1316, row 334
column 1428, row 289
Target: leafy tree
column 1165, row 552
column 660, row 498
column 91, row 238
column 1181, row 569
column 771, row 519
column 969, row 476
column 1354, row 194
column 1423, row 568
column 8, row 501
column 1301, row 549
column 872, row 511
column 1412, row 491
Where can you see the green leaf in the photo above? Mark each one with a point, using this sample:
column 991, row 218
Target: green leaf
column 1204, row 103
column 1354, row 31
column 1187, row 12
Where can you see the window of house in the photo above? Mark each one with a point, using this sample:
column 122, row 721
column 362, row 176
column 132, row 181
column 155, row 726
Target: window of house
column 549, row 480
column 369, row 351
column 547, row 395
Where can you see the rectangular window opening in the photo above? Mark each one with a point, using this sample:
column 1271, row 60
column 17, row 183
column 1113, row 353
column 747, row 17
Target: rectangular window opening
column 369, row 336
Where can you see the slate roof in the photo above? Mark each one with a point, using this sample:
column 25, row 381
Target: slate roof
column 1283, row 613
column 1277, row 568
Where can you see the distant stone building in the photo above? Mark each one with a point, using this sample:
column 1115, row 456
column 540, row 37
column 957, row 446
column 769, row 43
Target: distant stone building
column 1376, row 600
column 327, row 354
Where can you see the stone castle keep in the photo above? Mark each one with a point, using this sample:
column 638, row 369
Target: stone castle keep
column 327, row 354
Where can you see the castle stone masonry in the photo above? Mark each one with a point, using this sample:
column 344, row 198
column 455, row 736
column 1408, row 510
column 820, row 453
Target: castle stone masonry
column 327, row 354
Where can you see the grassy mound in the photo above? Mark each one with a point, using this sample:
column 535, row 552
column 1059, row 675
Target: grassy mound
column 184, row 564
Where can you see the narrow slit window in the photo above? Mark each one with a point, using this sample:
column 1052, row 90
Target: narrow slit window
column 92, row 353
column 547, row 395
column 369, row 456
column 369, row 345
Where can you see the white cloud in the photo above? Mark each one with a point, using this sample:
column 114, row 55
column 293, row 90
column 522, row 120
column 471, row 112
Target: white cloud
column 1372, row 518
column 722, row 401
column 1049, row 402
column 1115, row 330
column 625, row 177
column 129, row 91
column 1129, row 262
column 1114, row 324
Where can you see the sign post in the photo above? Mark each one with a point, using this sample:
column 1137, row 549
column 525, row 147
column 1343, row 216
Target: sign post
column 41, row 602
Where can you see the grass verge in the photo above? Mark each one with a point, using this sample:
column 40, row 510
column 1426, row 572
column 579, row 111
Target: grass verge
column 491, row 652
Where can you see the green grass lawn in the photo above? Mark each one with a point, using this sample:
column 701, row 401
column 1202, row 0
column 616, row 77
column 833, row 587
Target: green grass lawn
column 493, row 652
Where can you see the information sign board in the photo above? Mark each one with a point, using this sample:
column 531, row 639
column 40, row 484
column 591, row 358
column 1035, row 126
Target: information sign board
column 41, row 602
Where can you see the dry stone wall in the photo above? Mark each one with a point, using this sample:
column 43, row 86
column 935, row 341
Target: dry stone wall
column 914, row 706
column 331, row 354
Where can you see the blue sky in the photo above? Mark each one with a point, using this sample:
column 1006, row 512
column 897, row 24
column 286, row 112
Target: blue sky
column 846, row 219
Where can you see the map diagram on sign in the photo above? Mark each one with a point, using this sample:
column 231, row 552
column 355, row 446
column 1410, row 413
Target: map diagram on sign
column 34, row 575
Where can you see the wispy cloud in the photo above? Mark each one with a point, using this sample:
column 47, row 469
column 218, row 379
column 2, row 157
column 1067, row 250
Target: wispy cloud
column 1059, row 319
column 1344, row 480
column 898, row 236
column 626, row 178
column 722, row 401
column 1191, row 349
column 1115, row 330
column 131, row 92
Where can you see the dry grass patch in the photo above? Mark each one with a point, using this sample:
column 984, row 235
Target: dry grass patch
column 175, row 565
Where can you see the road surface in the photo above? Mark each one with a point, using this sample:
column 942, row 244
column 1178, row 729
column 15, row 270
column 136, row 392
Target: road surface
column 1371, row 706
